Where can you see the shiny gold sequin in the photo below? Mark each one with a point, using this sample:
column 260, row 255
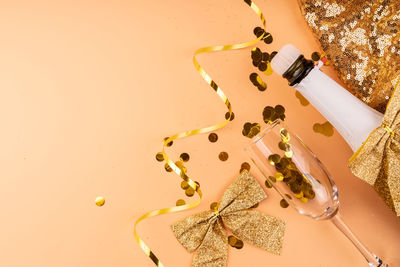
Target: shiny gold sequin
column 251, row 129
column 244, row 166
column 167, row 167
column 325, row 128
column 213, row 137
column 230, row 117
column 302, row 99
column 189, row 192
column 159, row 156
column 100, row 201
column 284, row 203
column 180, row 202
column 223, row 156
column 184, row 157
column 170, row 143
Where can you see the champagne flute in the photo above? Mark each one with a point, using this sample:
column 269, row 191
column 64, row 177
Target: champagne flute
column 301, row 179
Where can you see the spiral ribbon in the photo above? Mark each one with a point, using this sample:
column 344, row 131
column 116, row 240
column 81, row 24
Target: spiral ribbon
column 173, row 166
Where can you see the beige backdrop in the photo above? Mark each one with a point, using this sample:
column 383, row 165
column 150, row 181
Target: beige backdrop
column 88, row 89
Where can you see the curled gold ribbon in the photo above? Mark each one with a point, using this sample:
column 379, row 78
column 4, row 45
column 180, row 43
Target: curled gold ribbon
column 377, row 161
column 175, row 168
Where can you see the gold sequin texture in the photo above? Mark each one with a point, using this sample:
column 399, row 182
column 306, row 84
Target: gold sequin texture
column 180, row 202
column 302, row 99
column 100, row 201
column 205, row 233
column 223, row 156
column 325, row 128
column 213, row 137
column 184, row 157
column 251, row 129
column 159, row 156
column 362, row 40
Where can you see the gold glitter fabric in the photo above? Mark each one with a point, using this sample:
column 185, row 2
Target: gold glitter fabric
column 377, row 161
column 361, row 39
column 205, row 232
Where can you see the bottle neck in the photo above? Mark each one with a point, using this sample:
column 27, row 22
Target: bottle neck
column 298, row 70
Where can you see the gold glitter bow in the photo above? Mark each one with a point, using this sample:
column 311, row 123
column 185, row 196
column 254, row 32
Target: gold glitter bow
column 205, row 233
column 377, row 161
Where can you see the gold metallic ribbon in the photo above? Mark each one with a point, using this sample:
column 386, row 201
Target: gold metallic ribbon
column 377, row 161
column 175, row 168
column 205, row 232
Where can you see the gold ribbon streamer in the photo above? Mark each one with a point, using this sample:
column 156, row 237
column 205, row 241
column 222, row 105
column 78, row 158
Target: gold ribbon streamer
column 377, row 161
column 175, row 168
column 205, row 232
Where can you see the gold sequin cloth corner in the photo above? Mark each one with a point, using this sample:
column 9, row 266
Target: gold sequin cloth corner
column 361, row 39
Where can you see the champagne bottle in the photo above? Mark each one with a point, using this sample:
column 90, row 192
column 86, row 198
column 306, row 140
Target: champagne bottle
column 351, row 117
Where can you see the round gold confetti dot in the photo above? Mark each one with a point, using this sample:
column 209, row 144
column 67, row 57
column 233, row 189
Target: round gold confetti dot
column 232, row 240
column 244, row 166
column 274, row 158
column 214, row 206
column 284, row 204
column 184, row 185
column 231, row 117
column 167, row 167
column 315, row 56
column 189, row 192
column 223, row 156
column 288, row 196
column 180, row 202
column 184, row 157
column 213, row 137
column 279, row 109
column 159, row 156
column 170, row 143
column 272, row 178
column 304, row 199
column 268, row 184
column 100, row 201
column 298, row 195
column 239, row 244
column 279, row 176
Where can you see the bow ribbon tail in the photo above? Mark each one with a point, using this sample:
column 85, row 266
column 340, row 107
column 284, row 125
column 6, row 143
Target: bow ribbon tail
column 257, row 228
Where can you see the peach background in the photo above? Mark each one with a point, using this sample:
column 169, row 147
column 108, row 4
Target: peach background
column 88, row 91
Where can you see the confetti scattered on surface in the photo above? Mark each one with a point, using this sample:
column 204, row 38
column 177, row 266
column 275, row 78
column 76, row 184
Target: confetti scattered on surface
column 180, row 202
column 270, row 114
column 284, row 204
column 325, row 128
column 167, row 167
column 100, row 201
column 159, row 156
column 251, row 129
column 258, row 82
column 315, row 56
column 302, row 99
column 244, row 166
column 230, row 117
column 213, row 137
column 235, row 242
column 184, row 157
column 170, row 143
column 223, row 156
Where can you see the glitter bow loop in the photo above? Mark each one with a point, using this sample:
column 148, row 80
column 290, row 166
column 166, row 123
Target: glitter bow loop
column 205, row 232
column 377, row 161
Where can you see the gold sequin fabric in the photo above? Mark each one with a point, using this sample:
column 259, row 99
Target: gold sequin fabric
column 205, row 232
column 361, row 39
column 378, row 160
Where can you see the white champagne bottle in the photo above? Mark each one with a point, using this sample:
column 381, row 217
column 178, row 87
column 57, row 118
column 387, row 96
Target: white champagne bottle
column 352, row 118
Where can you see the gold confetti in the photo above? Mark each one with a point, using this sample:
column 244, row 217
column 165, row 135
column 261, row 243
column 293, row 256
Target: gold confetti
column 214, row 206
column 167, row 167
column 184, row 185
column 244, row 166
column 223, row 156
column 159, row 156
column 184, row 157
column 284, row 204
column 315, row 56
column 100, row 201
column 213, row 137
column 189, row 192
column 170, row 143
column 230, row 117
column 325, row 128
column 180, row 202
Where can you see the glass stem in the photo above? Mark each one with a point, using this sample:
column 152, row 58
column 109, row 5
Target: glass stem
column 373, row 260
